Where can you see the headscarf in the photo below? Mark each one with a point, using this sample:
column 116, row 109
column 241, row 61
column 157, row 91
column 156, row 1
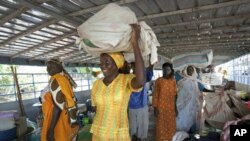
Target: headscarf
column 59, row 62
column 194, row 75
column 118, row 59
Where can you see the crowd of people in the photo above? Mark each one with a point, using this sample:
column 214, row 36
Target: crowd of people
column 120, row 100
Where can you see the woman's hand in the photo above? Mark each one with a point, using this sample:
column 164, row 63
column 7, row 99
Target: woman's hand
column 135, row 35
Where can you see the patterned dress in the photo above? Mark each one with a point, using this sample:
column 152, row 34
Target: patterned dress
column 164, row 100
column 111, row 102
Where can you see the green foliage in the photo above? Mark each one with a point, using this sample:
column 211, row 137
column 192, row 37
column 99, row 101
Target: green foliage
column 5, row 79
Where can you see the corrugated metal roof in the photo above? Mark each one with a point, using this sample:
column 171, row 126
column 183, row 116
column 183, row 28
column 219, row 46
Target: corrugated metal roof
column 37, row 30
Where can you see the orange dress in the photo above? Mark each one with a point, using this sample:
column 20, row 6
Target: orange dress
column 63, row 130
column 164, row 100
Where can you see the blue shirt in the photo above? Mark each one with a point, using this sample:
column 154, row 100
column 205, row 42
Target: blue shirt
column 140, row 99
column 177, row 76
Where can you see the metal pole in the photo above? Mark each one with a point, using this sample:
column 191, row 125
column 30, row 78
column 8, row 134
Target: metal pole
column 14, row 86
column 34, row 88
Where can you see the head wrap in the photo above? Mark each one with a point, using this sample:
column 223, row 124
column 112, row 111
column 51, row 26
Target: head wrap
column 118, row 59
column 194, row 75
column 56, row 60
column 65, row 72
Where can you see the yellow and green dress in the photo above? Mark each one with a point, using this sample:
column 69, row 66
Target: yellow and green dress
column 111, row 102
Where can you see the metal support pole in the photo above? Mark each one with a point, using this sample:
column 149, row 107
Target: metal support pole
column 34, row 88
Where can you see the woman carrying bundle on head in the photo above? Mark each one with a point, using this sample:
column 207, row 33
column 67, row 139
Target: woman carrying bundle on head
column 110, row 95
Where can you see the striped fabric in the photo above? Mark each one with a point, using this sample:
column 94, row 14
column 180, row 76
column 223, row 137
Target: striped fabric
column 111, row 102
column 225, row 134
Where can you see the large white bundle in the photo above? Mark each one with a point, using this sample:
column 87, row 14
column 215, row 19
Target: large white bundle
column 198, row 59
column 216, row 110
column 109, row 31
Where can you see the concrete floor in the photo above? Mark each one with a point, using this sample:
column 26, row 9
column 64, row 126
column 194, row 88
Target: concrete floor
column 151, row 128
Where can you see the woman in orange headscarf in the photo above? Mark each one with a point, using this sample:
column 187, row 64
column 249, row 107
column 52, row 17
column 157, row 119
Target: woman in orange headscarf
column 110, row 95
column 59, row 106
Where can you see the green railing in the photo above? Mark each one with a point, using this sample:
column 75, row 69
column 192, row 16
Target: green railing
column 32, row 84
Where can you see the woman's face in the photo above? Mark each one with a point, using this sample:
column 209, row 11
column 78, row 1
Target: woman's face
column 190, row 70
column 107, row 65
column 166, row 71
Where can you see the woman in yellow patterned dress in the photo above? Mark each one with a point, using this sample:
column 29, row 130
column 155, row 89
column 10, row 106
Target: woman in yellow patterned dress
column 110, row 95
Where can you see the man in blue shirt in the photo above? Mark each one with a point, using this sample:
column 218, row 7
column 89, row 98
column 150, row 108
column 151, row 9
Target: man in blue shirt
column 138, row 110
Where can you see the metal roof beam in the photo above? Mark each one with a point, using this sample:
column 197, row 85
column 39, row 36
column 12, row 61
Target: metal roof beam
column 185, row 41
column 44, row 44
column 77, row 59
column 236, row 17
column 25, row 33
column 96, row 8
column 54, row 50
column 73, row 54
column 209, row 31
column 201, row 47
column 88, row 59
column 205, row 44
column 65, row 18
column 195, row 9
column 13, row 14
column 52, row 21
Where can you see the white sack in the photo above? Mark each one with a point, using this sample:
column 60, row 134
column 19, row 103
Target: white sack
column 109, row 31
column 198, row 59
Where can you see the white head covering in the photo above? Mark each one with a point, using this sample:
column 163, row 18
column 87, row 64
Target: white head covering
column 193, row 76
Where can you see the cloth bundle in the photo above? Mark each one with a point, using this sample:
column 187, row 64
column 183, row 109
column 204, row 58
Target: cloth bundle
column 198, row 59
column 109, row 30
